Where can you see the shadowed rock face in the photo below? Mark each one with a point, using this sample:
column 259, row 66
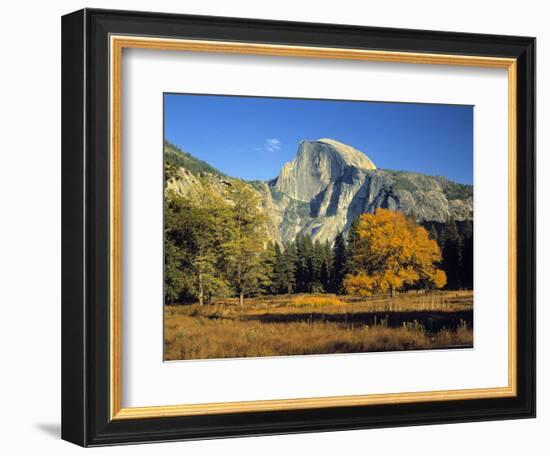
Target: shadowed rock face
column 328, row 184
column 360, row 191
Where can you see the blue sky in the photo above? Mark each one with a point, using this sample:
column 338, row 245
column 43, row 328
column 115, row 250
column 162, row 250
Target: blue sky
column 252, row 137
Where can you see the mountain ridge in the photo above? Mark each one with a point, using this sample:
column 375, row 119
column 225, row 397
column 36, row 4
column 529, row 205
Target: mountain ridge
column 326, row 186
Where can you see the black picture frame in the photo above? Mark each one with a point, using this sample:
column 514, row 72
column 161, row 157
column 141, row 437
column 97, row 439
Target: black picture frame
column 85, row 228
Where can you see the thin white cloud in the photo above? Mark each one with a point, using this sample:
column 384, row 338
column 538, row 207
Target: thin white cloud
column 271, row 145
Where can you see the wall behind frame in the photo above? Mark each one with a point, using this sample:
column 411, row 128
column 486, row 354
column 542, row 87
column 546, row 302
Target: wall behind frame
column 30, row 232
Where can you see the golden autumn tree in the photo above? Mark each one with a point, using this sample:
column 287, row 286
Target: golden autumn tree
column 392, row 252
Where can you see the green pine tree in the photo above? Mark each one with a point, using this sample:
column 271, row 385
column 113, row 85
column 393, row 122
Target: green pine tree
column 290, row 259
column 352, row 241
column 340, row 264
column 194, row 232
column 278, row 283
column 243, row 252
column 451, row 252
column 467, row 256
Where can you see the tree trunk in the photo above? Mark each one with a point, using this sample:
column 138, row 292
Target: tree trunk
column 392, row 291
column 201, row 291
column 241, row 299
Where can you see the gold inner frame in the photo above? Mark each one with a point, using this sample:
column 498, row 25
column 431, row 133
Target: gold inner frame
column 117, row 44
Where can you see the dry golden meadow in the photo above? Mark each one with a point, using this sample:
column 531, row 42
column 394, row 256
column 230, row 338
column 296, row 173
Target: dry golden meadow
column 318, row 324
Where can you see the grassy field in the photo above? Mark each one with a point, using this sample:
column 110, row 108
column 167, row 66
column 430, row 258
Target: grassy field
column 318, row 324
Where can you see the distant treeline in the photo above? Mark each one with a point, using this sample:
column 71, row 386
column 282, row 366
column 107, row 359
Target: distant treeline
column 305, row 266
column 456, row 240
column 219, row 246
column 176, row 158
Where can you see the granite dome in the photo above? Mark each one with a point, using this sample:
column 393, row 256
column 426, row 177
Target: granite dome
column 326, row 186
column 316, row 165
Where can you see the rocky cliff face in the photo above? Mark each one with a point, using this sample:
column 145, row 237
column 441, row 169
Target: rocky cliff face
column 328, row 184
column 316, row 165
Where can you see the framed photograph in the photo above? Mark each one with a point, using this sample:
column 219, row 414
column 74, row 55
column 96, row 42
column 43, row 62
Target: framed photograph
column 277, row 227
